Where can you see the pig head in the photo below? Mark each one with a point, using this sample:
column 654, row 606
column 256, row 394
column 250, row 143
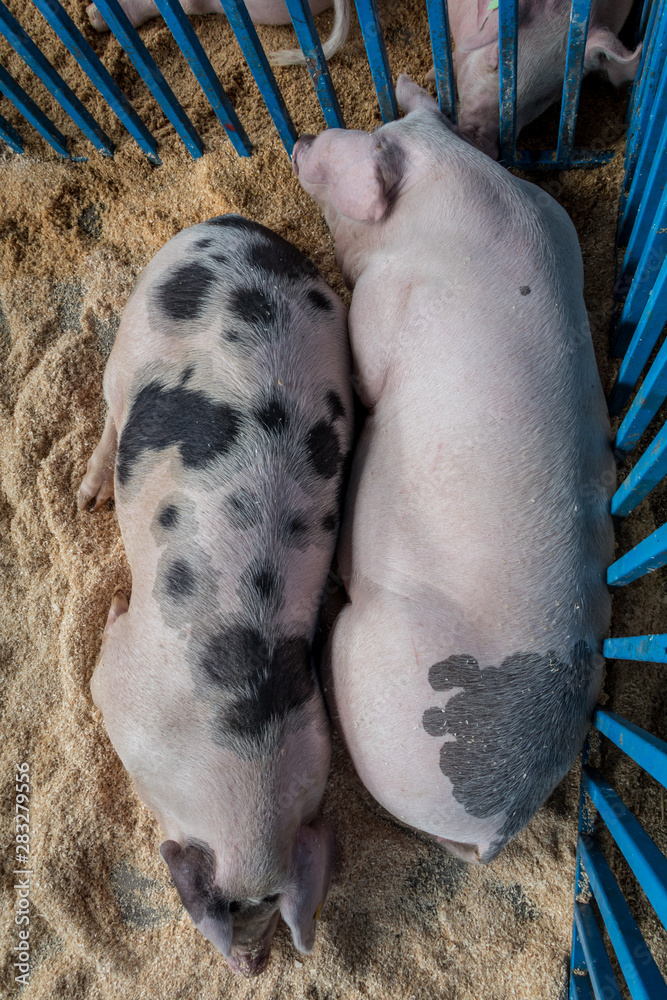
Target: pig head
column 541, row 53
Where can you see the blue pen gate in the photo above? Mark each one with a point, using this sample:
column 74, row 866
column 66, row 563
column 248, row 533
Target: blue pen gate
column 641, row 317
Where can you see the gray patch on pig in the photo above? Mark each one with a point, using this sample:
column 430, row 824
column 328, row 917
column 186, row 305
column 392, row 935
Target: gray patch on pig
column 185, row 583
column 168, row 516
column 524, row 289
column 261, row 589
column 203, row 429
column 180, row 579
column 272, row 414
column 243, row 509
column 294, row 529
column 184, row 292
column 263, row 678
column 516, row 729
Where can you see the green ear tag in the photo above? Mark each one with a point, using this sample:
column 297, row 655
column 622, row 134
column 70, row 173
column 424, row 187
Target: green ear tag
column 493, row 5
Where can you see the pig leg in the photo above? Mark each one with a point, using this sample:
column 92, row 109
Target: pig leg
column 97, row 484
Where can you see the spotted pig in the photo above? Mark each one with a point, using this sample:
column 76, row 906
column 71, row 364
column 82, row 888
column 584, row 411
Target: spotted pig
column 477, row 532
column 228, row 428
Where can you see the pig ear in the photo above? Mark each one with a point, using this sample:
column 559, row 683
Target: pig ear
column 606, row 52
column 411, row 97
column 311, row 871
column 487, row 27
column 192, row 870
column 366, row 196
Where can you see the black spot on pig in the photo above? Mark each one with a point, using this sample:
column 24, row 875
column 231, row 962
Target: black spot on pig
column 233, row 221
column 323, row 449
column 272, row 415
column 293, row 529
column 219, row 258
column 279, row 258
column 183, row 293
column 180, row 580
column 203, row 429
column 524, row 289
column 329, row 522
column 252, row 305
column 187, row 374
column 203, row 243
column 516, row 729
column 168, row 516
column 434, row 721
column 262, row 584
column 335, row 404
column 265, row 679
column 243, row 509
column 319, row 300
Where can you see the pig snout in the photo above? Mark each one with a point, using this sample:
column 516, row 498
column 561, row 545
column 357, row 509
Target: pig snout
column 251, row 958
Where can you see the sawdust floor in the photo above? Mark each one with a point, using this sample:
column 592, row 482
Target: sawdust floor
column 403, row 919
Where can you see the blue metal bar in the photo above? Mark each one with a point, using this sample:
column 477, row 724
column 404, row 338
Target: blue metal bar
column 438, row 23
column 651, row 648
column 574, row 68
column 254, row 54
column 646, row 9
column 9, row 134
column 585, row 824
column 143, row 62
column 648, row 162
column 648, row 864
column 72, row 38
column 637, row 965
column 378, row 60
column 580, row 987
column 53, row 82
column 654, row 387
column 200, row 65
column 641, row 266
column 647, row 473
column 17, row 95
column 598, row 965
column 641, row 100
column 526, row 159
column 648, row 751
column 508, row 19
column 646, row 557
column 309, row 40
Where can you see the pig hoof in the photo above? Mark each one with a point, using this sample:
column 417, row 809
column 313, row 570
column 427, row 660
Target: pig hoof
column 96, row 488
column 96, row 19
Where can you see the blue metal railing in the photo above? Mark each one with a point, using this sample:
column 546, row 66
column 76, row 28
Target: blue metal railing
column 642, row 316
column 565, row 155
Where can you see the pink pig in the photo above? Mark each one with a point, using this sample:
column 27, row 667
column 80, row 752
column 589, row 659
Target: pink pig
column 477, row 532
column 261, row 12
column 542, row 49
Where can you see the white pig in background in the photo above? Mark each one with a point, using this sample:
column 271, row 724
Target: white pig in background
column 541, row 53
column 477, row 531
column 229, row 421
column 261, row 12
